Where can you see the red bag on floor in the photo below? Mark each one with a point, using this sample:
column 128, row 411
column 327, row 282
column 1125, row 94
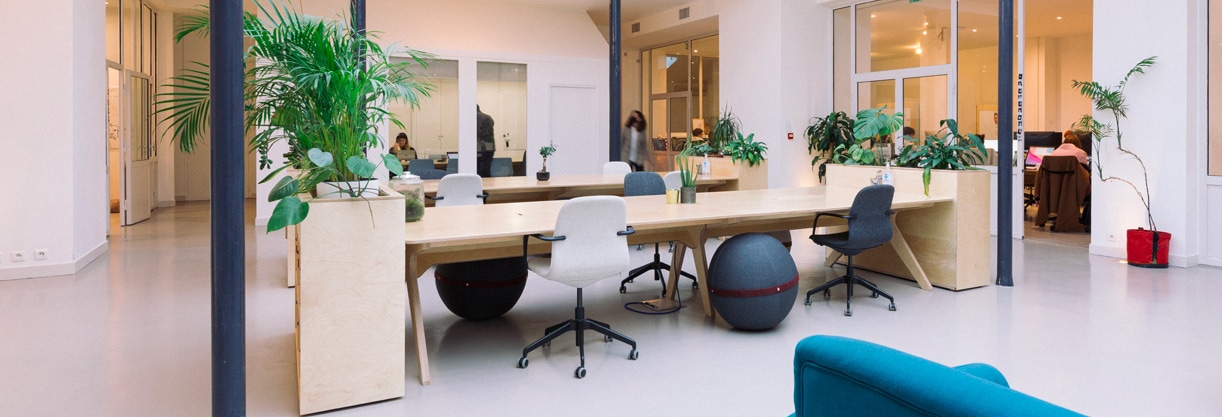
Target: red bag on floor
column 1141, row 246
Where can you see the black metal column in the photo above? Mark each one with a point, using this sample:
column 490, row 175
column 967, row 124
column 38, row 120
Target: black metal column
column 228, row 184
column 358, row 22
column 1005, row 148
column 615, row 85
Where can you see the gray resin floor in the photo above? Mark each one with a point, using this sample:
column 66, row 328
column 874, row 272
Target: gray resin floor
column 129, row 336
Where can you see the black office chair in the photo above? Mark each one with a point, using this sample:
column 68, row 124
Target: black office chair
column 647, row 183
column 431, row 174
column 869, row 227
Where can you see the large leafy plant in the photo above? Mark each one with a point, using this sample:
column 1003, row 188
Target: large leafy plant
column 724, row 130
column 319, row 85
column 827, row 134
column 947, row 149
column 1111, row 99
column 872, row 125
column 745, row 148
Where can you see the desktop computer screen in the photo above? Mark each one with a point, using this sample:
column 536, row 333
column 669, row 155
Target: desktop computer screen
column 1036, row 154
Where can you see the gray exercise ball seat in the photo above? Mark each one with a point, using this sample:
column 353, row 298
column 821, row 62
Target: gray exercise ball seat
column 753, row 281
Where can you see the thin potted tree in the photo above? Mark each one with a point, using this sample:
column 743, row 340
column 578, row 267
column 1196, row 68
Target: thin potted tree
column 1146, row 248
column 545, row 152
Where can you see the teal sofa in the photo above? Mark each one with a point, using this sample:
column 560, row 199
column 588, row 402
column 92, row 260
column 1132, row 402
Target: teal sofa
column 838, row 376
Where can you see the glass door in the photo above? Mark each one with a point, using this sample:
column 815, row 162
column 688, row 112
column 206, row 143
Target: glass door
column 137, row 152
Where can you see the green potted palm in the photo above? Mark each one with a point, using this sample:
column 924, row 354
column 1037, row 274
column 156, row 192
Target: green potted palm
column 688, row 168
column 948, row 149
column 318, row 85
column 723, row 130
column 1146, row 248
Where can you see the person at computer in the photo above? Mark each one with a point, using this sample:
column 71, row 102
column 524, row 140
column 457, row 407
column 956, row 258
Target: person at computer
column 1071, row 146
column 486, row 143
column 400, row 144
column 633, row 148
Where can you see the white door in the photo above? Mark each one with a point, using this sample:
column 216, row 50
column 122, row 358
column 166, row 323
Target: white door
column 137, row 152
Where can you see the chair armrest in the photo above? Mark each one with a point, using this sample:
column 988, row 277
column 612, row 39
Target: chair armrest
column 483, row 197
column 546, row 238
column 842, row 216
column 626, row 232
column 435, row 198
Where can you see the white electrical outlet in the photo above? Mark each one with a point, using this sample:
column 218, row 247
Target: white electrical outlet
column 1111, row 238
column 40, row 254
column 18, row 256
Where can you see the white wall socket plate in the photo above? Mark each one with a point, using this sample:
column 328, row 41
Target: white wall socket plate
column 17, row 256
column 40, row 254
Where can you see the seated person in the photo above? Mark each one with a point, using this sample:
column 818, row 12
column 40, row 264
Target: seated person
column 1072, row 146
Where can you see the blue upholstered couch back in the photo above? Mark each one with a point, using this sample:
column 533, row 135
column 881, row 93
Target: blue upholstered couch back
column 837, row 376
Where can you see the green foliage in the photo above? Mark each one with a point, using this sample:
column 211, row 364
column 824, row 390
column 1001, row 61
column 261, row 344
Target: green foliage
column 746, row 148
column 724, row 130
column 688, row 167
column 825, row 135
column 948, row 149
column 873, row 124
column 1111, row 99
column 702, row 148
column 853, row 155
column 317, row 84
column 545, row 152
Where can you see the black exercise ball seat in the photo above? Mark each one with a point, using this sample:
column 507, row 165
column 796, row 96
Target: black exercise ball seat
column 753, row 281
column 481, row 290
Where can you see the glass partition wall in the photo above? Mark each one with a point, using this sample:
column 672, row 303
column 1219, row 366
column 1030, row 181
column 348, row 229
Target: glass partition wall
column 432, row 127
column 682, row 89
column 501, row 98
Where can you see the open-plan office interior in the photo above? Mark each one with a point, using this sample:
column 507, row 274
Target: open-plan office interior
column 104, row 238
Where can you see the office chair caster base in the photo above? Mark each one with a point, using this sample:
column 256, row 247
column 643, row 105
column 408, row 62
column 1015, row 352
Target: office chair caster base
column 607, row 339
column 623, row 289
column 580, row 372
column 848, row 312
column 891, row 307
column 807, row 301
column 523, row 362
column 874, row 295
column 634, row 354
column 827, row 294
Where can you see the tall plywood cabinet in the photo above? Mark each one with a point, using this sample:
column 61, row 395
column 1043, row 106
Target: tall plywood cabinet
column 351, row 298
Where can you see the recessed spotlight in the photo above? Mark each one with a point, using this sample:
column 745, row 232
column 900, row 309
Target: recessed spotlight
column 1058, row 17
column 973, row 30
column 871, row 15
column 923, row 32
column 918, row 51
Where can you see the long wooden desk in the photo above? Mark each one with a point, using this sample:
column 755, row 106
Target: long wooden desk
column 467, row 233
column 518, row 189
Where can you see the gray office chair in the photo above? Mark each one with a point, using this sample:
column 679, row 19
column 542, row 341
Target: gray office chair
column 416, row 166
column 869, row 227
column 502, row 167
column 588, row 245
column 460, row 190
column 431, row 174
column 647, row 183
column 452, row 165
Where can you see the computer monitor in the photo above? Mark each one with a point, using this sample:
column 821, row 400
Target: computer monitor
column 406, row 154
column 452, row 155
column 1036, row 154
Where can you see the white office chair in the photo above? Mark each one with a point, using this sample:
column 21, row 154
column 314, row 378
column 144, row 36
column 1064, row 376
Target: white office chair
column 460, row 190
column 673, row 180
column 616, row 167
column 588, row 245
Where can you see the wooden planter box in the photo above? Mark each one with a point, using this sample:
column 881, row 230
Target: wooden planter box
column 949, row 240
column 749, row 177
column 351, row 298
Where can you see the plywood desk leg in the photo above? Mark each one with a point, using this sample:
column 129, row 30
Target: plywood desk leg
column 905, row 253
column 833, row 257
column 422, row 353
column 702, row 266
column 676, row 268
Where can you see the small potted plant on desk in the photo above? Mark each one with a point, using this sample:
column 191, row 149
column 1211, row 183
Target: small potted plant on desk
column 1146, row 248
column 687, row 173
column 545, row 152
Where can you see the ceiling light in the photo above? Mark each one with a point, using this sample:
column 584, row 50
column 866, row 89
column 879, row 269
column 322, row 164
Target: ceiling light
column 923, row 32
column 1058, row 17
column 918, row 50
column 973, row 30
column 871, row 15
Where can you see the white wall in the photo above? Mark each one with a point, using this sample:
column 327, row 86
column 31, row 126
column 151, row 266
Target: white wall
column 54, row 110
column 1158, row 128
column 775, row 78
